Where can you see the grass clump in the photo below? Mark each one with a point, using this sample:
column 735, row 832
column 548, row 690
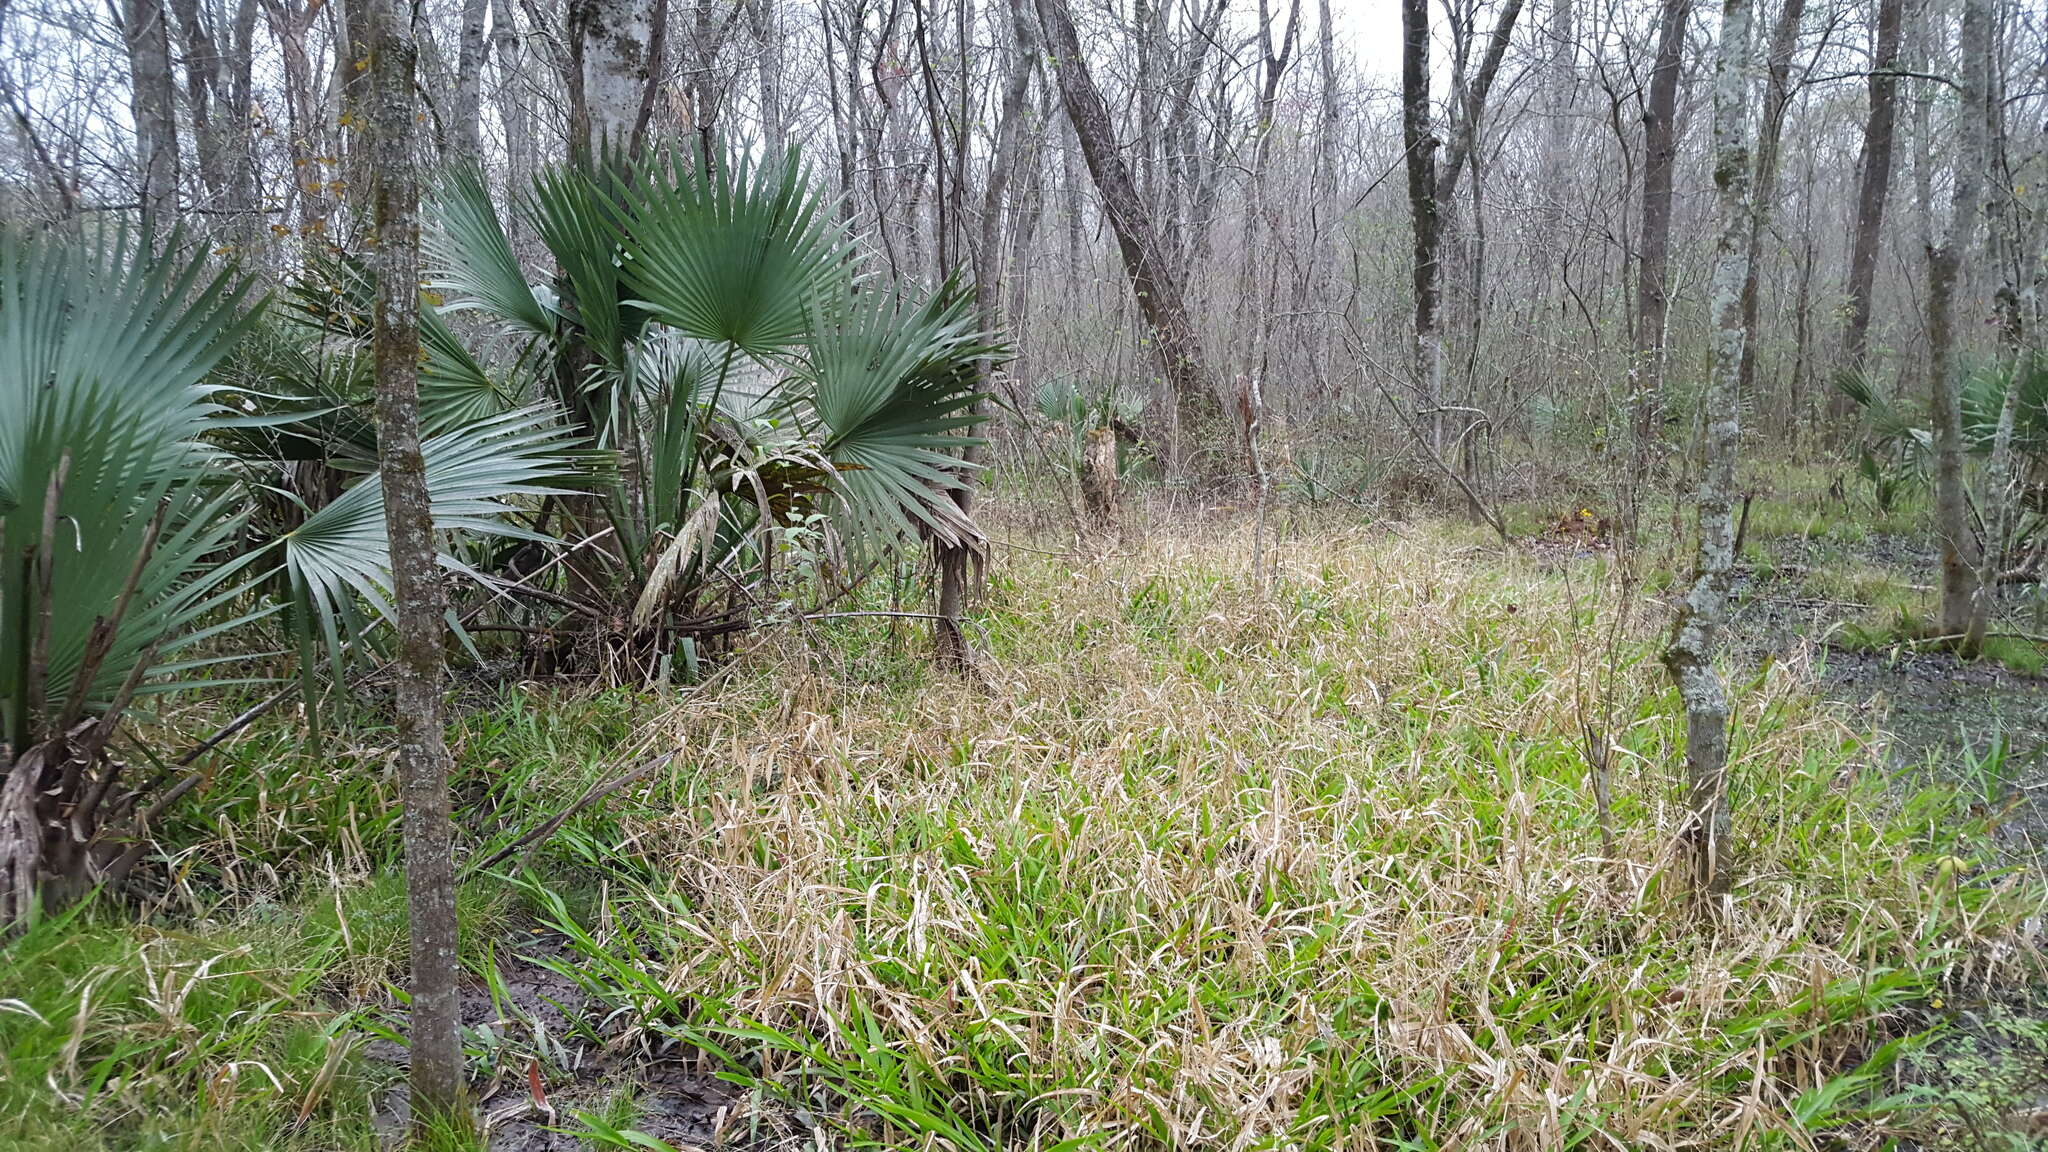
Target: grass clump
column 207, row 1038
column 1189, row 861
column 1317, row 868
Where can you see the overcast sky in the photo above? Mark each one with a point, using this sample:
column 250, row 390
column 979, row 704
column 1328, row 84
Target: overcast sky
column 1371, row 29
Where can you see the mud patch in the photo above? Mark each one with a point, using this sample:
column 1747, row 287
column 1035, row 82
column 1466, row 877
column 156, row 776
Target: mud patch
column 1987, row 1071
column 539, row 1040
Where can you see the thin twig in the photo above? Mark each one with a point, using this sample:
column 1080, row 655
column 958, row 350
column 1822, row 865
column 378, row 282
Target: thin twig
column 591, row 795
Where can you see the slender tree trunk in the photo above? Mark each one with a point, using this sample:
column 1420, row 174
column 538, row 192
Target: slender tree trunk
column 205, row 89
column 1332, row 114
column 1560, row 98
column 1696, row 635
column 1466, row 128
column 767, row 27
column 1962, row 611
column 1873, row 187
column 417, row 596
column 351, row 87
column 306, row 128
column 1162, row 297
column 1653, row 258
column 614, row 59
column 1419, row 145
column 512, row 113
column 956, row 561
column 1770, row 133
column 153, row 102
column 242, row 160
column 1070, row 199
column 468, row 144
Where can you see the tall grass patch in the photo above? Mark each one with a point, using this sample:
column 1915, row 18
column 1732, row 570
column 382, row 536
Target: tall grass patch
column 1191, row 865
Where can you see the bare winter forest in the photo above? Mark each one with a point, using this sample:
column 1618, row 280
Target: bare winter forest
column 1023, row 576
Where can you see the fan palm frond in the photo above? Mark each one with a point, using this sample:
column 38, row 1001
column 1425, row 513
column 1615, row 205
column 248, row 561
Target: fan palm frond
column 341, row 549
column 471, row 257
column 105, row 358
column 725, row 250
column 893, row 386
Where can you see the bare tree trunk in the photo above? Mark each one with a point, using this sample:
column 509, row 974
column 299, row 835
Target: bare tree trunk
column 417, row 597
column 1873, row 186
column 1162, row 297
column 1962, row 611
column 1332, row 110
column 1653, row 257
column 1070, row 198
column 512, row 113
column 1660, row 153
column 306, row 128
column 1419, row 145
column 1696, row 634
column 1560, row 94
column 614, row 60
column 1466, row 131
column 767, row 28
column 210, row 103
column 1770, row 132
column 469, row 83
column 350, row 86
column 1466, row 128
column 153, row 102
column 956, row 561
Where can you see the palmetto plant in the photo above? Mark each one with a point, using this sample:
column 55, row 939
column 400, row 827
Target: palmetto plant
column 706, row 379
column 128, row 467
column 708, row 328
column 111, row 535
column 1897, row 446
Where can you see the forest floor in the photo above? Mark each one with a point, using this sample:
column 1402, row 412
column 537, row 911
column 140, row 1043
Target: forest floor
column 1196, row 858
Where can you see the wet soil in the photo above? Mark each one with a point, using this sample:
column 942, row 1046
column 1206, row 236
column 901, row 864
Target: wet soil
column 549, row 1064
column 1938, row 718
column 1981, row 1077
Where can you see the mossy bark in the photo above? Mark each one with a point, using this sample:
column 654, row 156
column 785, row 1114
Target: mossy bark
column 418, row 599
column 1695, row 636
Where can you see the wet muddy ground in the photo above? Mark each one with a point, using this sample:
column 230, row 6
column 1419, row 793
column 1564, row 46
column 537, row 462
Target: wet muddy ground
column 1980, row 1080
column 555, row 1069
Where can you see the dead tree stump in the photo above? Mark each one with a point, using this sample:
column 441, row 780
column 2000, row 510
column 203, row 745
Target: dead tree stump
column 1098, row 483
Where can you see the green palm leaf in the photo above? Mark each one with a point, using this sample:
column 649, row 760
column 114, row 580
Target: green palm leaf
column 472, row 260
column 340, row 551
column 455, row 387
column 731, row 252
column 2025, row 380
column 893, row 386
column 104, row 363
column 580, row 222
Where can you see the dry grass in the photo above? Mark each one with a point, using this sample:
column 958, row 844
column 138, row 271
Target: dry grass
column 1189, row 864
column 1201, row 867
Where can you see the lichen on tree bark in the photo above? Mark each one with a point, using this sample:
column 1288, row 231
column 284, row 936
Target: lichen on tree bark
column 1695, row 634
